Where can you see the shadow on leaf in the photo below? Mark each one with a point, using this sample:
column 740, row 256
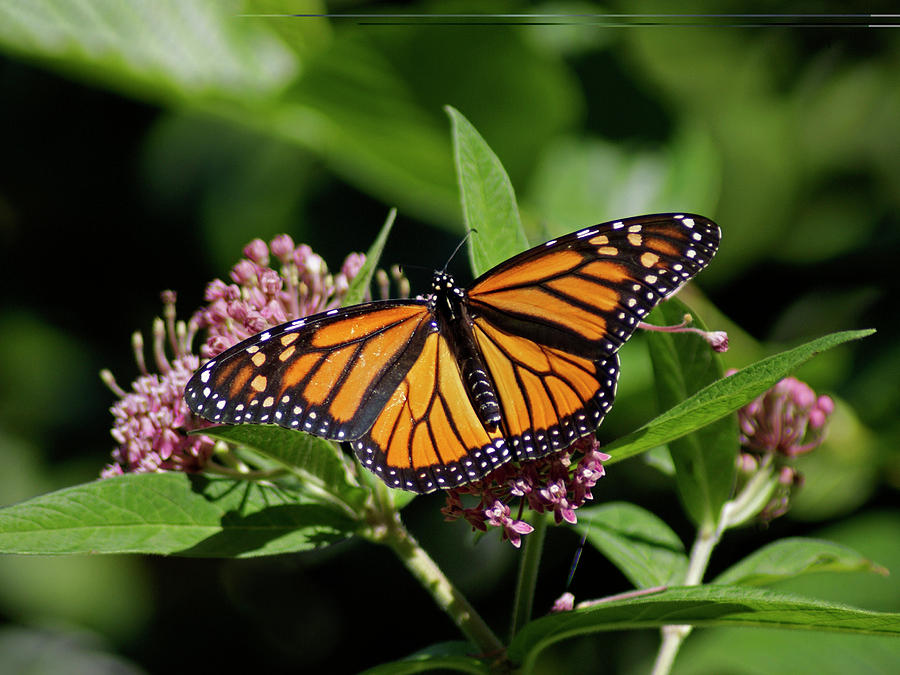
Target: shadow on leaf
column 265, row 520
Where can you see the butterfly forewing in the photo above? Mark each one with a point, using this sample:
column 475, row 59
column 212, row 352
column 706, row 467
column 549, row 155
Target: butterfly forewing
column 586, row 292
column 330, row 374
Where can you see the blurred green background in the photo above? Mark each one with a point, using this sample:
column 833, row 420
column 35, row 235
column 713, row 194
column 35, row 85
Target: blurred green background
column 144, row 143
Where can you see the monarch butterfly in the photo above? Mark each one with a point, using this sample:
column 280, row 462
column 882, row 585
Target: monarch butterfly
column 436, row 392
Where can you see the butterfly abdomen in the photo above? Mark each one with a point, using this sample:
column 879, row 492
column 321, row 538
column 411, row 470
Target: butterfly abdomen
column 481, row 391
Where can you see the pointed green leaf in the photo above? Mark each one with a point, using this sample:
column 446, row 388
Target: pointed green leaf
column 171, row 514
column 641, row 545
column 723, row 397
column 704, row 459
column 699, row 606
column 321, row 463
column 793, row 557
column 488, row 198
column 360, row 284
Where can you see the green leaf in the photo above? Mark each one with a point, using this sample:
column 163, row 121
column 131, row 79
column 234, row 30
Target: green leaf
column 793, row 557
column 320, row 462
column 152, row 49
column 488, row 199
column 738, row 651
column 294, row 79
column 722, row 397
column 705, row 459
column 171, row 514
column 699, row 606
column 641, row 545
column 305, row 36
column 660, row 459
column 442, row 656
column 360, row 284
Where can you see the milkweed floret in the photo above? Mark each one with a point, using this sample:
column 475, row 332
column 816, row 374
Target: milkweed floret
column 498, row 515
column 564, row 603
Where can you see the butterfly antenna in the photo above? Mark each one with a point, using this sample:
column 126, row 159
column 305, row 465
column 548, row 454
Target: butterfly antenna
column 458, row 246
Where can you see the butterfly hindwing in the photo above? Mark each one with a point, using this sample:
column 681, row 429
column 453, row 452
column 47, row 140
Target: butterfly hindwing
column 549, row 398
column 429, row 436
column 330, row 374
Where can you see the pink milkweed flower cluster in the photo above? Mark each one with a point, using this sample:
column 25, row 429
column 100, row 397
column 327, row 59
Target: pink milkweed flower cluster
column 788, row 419
column 151, row 420
column 260, row 297
column 556, row 483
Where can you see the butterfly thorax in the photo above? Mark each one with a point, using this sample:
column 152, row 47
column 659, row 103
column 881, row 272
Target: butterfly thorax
column 448, row 305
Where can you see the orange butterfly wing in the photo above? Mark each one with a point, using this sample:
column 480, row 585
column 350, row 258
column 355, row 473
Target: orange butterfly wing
column 549, row 321
column 330, row 374
column 548, row 397
column 429, row 436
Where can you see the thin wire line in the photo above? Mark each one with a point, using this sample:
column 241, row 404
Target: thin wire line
column 610, row 20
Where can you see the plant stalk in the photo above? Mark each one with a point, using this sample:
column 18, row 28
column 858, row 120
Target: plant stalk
column 673, row 636
column 527, row 580
column 442, row 591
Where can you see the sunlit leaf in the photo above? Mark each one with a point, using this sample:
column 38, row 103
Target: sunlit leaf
column 636, row 541
column 792, row 557
column 699, row 606
column 319, row 460
column 488, row 199
column 448, row 656
column 361, row 282
column 171, row 514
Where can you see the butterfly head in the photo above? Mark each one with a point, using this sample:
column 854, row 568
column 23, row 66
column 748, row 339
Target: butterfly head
column 443, row 285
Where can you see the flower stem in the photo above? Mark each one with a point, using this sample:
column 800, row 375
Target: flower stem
column 528, row 569
column 673, row 636
column 442, row 591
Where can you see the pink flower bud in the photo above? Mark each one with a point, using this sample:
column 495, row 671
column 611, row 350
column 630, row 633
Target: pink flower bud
column 257, row 251
column 244, row 273
column 718, row 340
column 283, row 248
column 564, row 603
